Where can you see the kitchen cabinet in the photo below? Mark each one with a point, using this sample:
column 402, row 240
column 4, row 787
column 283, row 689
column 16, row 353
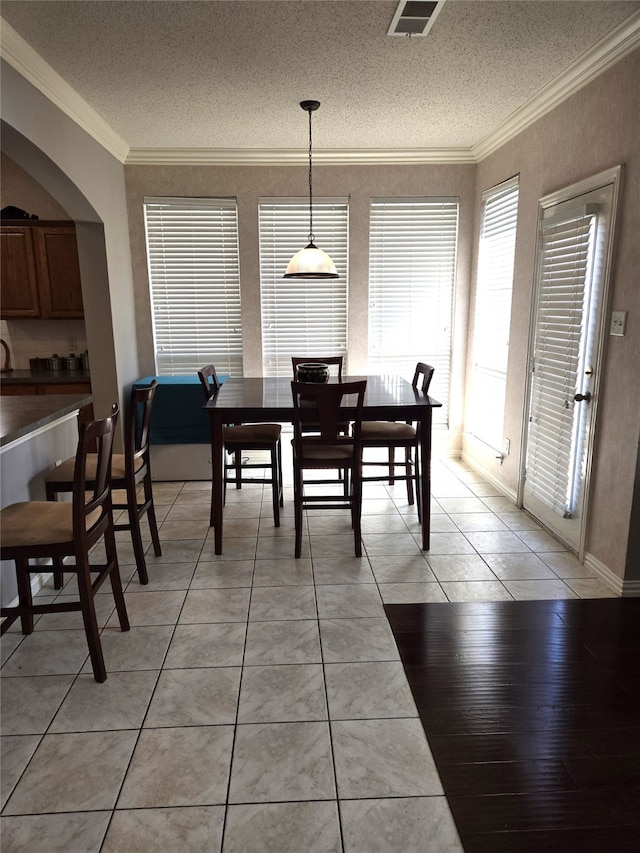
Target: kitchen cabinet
column 40, row 271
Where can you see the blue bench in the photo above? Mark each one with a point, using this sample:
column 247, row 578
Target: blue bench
column 178, row 416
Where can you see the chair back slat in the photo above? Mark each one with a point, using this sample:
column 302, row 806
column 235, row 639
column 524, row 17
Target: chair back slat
column 424, row 372
column 321, row 405
column 141, row 406
column 94, row 434
column 209, row 380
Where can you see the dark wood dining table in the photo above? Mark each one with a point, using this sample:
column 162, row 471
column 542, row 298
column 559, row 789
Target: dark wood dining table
column 268, row 399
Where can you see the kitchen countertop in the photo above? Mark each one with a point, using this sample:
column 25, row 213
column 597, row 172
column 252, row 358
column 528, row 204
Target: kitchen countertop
column 22, row 415
column 44, row 377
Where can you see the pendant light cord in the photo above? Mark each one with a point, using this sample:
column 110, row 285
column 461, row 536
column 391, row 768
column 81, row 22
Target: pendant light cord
column 311, row 235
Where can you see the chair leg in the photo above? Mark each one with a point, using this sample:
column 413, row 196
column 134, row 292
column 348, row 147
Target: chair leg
column 417, row 475
column 58, row 573
column 275, row 485
column 408, row 465
column 24, row 594
column 280, row 478
column 151, row 515
column 392, row 467
column 297, row 508
column 237, row 458
column 356, row 512
column 87, row 606
column 136, row 538
column 116, row 582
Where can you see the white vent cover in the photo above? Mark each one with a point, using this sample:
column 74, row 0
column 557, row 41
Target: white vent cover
column 414, row 17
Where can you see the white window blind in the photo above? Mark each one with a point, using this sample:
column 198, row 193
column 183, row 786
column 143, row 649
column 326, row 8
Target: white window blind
column 301, row 316
column 555, row 431
column 496, row 253
column 192, row 251
column 412, row 260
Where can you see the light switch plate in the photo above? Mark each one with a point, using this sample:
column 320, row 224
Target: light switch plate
column 618, row 323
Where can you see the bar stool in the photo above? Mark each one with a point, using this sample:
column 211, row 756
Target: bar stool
column 392, row 435
column 50, row 530
column 240, row 437
column 129, row 469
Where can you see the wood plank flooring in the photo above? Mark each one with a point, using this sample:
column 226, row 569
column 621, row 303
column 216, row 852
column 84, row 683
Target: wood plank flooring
column 532, row 711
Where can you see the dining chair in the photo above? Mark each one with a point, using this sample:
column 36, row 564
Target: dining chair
column 327, row 448
column 129, row 470
column 336, row 361
column 393, row 435
column 333, row 361
column 37, row 530
column 239, row 438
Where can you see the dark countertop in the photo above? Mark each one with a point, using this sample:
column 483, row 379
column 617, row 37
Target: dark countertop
column 42, row 377
column 24, row 414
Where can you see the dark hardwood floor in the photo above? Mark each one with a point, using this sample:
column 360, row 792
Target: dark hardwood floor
column 532, row 711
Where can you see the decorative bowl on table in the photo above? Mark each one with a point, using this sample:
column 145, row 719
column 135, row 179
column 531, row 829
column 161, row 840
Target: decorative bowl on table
column 312, row 371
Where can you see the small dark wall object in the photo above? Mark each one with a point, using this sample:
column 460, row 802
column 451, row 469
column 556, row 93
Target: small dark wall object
column 12, row 212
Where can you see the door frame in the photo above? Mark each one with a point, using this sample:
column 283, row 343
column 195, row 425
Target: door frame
column 612, row 177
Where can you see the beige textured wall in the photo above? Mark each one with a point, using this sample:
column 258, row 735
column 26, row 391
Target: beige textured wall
column 597, row 128
column 359, row 183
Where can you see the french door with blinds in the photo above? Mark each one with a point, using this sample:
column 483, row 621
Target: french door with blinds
column 412, row 261
column 574, row 252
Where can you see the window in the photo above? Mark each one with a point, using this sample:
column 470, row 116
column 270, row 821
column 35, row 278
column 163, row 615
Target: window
column 412, row 258
column 192, row 252
column 301, row 316
column 496, row 253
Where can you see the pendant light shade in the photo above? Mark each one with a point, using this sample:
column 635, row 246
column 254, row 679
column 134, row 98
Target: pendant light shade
column 311, row 262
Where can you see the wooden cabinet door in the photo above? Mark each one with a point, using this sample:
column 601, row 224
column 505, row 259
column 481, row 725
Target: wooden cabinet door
column 58, row 270
column 19, row 296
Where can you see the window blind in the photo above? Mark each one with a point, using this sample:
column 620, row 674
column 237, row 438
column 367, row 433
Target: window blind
column 496, row 253
column 412, row 259
column 301, row 316
column 555, row 430
column 194, row 273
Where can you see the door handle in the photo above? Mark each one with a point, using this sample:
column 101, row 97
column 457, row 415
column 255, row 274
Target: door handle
column 580, row 397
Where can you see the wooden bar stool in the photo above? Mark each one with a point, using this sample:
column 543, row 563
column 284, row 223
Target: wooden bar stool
column 329, row 449
column 392, row 435
column 36, row 530
column 128, row 471
column 240, row 437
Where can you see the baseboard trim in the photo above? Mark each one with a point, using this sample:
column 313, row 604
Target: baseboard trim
column 622, row 588
column 472, row 462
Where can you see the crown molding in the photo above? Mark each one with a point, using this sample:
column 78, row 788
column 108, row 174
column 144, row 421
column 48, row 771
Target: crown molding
column 614, row 47
column 21, row 56
column 294, row 156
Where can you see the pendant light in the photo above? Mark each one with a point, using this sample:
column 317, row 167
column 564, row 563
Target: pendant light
column 311, row 262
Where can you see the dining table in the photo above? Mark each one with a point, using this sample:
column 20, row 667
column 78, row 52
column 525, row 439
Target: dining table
column 242, row 400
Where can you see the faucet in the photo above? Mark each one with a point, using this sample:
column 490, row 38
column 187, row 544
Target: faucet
column 7, row 358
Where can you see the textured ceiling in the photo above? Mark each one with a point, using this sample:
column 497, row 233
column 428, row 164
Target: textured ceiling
column 230, row 75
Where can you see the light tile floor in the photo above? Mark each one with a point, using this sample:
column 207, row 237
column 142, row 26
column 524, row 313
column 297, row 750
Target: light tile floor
column 258, row 702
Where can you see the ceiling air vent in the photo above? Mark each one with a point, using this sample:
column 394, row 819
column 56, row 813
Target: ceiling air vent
column 414, row 18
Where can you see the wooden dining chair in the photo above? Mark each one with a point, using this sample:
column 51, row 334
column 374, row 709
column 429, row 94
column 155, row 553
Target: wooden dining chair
column 327, row 448
column 333, row 361
column 37, row 530
column 392, row 436
column 129, row 470
column 239, row 438
column 335, row 364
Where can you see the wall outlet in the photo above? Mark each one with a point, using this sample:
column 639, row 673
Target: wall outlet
column 618, row 323
column 73, row 343
column 507, row 446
